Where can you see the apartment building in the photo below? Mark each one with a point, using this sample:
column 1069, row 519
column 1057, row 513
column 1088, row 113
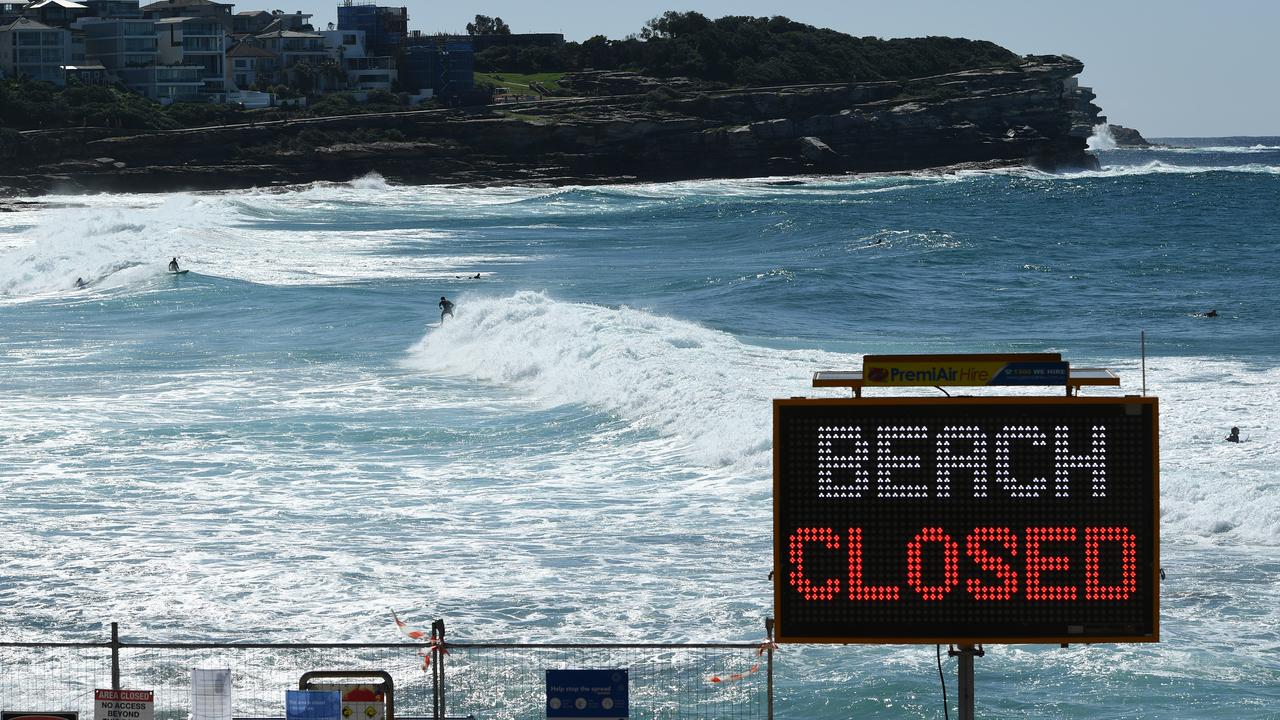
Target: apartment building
column 127, row 48
column 198, row 41
column 29, row 48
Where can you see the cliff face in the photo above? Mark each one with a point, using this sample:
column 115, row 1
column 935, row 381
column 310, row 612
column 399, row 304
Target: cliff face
column 656, row 130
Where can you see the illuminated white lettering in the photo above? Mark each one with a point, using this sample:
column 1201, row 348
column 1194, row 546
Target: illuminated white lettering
column 1095, row 461
column 887, row 463
column 974, row 464
column 1004, row 475
column 836, row 470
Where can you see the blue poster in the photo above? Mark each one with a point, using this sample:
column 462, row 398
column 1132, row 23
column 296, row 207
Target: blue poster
column 587, row 694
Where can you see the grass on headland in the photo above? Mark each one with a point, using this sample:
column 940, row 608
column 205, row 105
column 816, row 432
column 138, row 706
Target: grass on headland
column 518, row 83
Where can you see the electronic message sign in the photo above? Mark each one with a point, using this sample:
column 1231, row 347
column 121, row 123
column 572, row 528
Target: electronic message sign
column 1024, row 519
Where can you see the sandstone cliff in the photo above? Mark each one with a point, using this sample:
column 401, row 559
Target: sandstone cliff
column 629, row 128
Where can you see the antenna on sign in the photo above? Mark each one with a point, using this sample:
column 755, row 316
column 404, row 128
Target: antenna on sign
column 1143, row 343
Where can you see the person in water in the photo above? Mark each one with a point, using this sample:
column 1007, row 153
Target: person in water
column 173, row 265
column 1211, row 313
column 446, row 308
column 1235, row 435
column 80, row 283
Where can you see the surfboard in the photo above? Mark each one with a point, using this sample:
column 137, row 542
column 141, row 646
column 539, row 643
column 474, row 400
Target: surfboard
column 179, row 272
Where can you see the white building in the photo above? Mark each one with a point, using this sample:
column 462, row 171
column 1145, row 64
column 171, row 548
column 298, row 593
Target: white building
column 249, row 65
column 363, row 72
column 34, row 50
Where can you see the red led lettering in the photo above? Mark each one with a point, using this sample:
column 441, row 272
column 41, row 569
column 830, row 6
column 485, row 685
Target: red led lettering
column 827, row 536
column 1093, row 589
column 950, row 562
column 992, row 563
column 858, row 591
column 1037, row 563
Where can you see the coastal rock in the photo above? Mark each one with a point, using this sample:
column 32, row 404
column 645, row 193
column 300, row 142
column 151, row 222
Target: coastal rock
column 632, row 128
column 817, row 152
column 1127, row 137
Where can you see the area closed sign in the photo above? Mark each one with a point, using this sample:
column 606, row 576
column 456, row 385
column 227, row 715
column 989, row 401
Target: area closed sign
column 124, row 705
column 966, row 520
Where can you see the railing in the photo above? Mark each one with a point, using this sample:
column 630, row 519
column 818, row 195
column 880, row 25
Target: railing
column 434, row 679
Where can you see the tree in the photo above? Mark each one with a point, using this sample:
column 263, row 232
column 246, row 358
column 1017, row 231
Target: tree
column 485, row 25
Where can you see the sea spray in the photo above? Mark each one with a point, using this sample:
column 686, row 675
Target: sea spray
column 673, row 376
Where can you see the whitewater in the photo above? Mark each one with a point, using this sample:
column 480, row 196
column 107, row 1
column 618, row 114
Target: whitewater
column 286, row 441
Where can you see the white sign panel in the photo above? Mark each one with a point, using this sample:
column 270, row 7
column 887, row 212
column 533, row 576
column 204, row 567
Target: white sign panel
column 124, row 705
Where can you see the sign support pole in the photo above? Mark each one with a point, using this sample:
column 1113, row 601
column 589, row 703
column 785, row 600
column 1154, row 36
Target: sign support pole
column 964, row 672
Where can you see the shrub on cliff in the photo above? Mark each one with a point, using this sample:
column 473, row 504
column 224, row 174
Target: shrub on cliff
column 741, row 50
column 751, row 50
column 26, row 105
column 203, row 114
column 10, row 141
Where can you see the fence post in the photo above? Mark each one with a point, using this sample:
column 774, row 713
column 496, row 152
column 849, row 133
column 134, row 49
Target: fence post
column 435, row 676
column 437, row 649
column 768, row 631
column 115, row 656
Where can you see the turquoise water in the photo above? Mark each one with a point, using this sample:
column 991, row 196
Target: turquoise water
column 282, row 442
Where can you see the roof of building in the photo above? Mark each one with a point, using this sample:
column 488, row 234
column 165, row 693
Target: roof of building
column 183, row 19
column 251, row 13
column 59, row 3
column 244, row 50
column 162, row 4
column 28, row 24
column 290, row 34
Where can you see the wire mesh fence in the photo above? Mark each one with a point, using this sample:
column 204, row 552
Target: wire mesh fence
column 485, row 681
column 44, row 677
column 665, row 681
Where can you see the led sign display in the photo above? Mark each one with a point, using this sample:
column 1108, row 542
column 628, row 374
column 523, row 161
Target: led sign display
column 966, row 520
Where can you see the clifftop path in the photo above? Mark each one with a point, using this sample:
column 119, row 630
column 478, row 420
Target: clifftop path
column 623, row 128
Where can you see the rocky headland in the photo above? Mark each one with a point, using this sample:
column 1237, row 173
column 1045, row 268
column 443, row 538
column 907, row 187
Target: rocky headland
column 617, row 127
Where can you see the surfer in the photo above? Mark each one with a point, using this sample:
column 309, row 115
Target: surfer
column 80, row 283
column 476, row 276
column 1211, row 313
column 446, row 308
column 1235, row 435
column 173, row 265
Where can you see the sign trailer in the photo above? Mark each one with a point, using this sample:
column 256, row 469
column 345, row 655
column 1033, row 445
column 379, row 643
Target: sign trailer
column 966, row 519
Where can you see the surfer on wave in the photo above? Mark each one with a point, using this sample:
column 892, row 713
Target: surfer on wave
column 446, row 308
column 173, row 265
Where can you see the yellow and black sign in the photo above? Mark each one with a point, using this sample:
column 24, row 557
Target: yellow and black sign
column 971, row 370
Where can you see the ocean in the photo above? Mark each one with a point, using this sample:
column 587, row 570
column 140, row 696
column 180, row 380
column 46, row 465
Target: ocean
column 286, row 441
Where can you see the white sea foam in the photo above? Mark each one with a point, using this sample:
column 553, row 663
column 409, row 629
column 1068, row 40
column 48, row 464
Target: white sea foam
column 1157, row 167
column 672, row 376
column 1238, row 149
column 124, row 241
column 1101, row 139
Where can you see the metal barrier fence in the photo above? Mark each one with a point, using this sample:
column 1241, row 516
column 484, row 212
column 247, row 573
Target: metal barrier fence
column 484, row 681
